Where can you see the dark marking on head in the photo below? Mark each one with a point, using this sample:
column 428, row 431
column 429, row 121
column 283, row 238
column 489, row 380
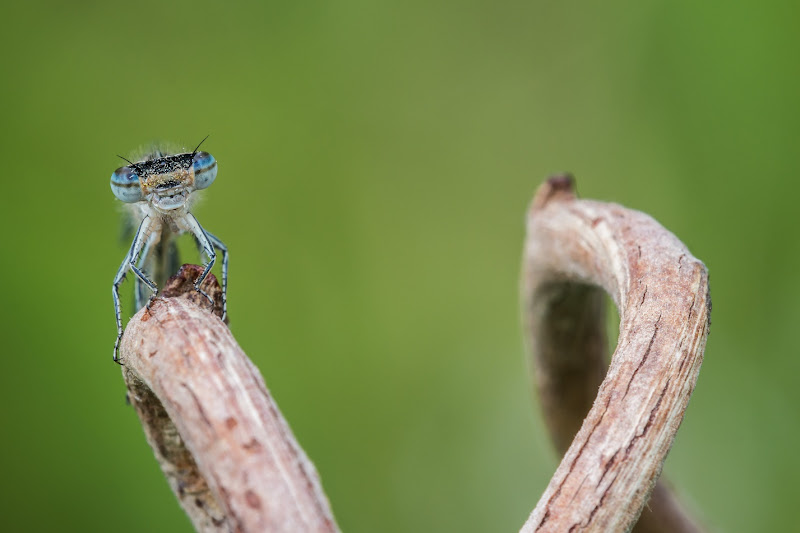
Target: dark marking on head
column 168, row 184
column 163, row 165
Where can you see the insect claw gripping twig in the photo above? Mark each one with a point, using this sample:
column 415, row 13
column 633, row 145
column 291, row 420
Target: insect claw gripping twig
column 117, row 358
column 209, row 298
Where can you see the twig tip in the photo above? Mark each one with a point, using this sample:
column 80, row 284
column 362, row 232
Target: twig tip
column 558, row 187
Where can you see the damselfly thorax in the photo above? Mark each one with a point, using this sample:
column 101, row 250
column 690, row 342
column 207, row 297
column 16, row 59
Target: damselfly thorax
column 158, row 190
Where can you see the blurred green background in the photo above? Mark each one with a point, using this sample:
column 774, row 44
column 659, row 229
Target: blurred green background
column 376, row 160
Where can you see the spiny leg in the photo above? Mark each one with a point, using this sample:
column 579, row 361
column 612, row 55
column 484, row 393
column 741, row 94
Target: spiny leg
column 118, row 279
column 203, row 241
column 139, row 240
column 224, row 249
column 147, row 281
column 144, row 256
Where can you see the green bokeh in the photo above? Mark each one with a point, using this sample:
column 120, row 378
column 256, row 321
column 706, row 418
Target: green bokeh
column 375, row 163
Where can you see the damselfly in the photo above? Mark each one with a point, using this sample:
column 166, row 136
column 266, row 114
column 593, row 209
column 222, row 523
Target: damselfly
column 158, row 190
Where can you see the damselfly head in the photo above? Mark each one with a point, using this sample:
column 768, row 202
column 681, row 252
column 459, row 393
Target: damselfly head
column 165, row 181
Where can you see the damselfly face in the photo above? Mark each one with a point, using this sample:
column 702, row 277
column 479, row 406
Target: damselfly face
column 165, row 182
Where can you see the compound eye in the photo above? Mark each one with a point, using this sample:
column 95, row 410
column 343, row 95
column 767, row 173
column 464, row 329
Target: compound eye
column 205, row 169
column 125, row 185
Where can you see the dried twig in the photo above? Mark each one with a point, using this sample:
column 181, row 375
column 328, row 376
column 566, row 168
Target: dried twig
column 575, row 250
column 224, row 447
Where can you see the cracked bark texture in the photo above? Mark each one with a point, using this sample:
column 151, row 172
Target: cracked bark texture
column 575, row 251
column 221, row 442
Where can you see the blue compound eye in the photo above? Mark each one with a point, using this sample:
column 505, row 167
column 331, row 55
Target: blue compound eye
column 125, row 185
column 205, row 169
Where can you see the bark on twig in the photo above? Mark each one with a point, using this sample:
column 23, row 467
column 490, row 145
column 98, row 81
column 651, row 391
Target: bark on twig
column 575, row 250
column 224, row 447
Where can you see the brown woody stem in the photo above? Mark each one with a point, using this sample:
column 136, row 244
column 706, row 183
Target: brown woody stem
column 574, row 251
column 218, row 435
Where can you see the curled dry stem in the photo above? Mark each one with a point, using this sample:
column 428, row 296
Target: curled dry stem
column 576, row 250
